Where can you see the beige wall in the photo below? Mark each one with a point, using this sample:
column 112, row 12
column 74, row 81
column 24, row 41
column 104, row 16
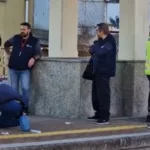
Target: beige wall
column 2, row 19
column 31, row 11
column 134, row 29
column 11, row 15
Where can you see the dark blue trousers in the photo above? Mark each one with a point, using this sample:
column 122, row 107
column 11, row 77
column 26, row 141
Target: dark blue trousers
column 9, row 113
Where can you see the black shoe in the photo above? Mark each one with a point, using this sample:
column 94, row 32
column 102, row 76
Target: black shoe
column 148, row 119
column 26, row 111
column 92, row 118
column 102, row 121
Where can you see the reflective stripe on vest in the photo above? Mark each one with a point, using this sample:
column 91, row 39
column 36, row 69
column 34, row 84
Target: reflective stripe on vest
column 147, row 63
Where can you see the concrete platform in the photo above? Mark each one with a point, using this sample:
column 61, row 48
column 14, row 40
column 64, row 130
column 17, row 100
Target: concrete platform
column 123, row 133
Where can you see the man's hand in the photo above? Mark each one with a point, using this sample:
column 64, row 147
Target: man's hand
column 91, row 50
column 31, row 62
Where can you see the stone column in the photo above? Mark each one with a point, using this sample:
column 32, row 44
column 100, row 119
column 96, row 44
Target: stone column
column 63, row 28
column 134, row 28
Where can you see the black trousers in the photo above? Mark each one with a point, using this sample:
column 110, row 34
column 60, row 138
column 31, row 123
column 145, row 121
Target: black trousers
column 101, row 96
column 149, row 95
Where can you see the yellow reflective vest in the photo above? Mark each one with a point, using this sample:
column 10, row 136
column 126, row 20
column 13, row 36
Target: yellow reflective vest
column 147, row 63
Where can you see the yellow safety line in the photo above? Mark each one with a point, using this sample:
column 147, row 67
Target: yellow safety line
column 80, row 131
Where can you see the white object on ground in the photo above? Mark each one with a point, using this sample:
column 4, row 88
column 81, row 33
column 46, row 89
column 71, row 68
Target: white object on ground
column 36, row 131
column 5, row 133
column 68, row 123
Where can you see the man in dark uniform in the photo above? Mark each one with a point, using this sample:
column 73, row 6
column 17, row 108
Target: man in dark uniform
column 11, row 106
column 103, row 53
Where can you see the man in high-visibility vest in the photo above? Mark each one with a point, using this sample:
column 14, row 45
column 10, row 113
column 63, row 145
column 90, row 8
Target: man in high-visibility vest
column 147, row 72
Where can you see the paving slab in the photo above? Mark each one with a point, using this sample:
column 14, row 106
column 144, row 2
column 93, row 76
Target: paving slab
column 61, row 129
column 58, row 130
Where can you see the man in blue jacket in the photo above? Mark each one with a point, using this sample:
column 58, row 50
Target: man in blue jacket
column 12, row 106
column 103, row 53
column 25, row 51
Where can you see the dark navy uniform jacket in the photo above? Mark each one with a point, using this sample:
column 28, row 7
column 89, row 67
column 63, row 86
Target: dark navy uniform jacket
column 7, row 93
column 104, row 56
column 22, row 51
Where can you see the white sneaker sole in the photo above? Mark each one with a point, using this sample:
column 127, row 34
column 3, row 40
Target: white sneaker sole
column 104, row 123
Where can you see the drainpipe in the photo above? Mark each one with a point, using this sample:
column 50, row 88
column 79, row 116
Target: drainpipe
column 26, row 10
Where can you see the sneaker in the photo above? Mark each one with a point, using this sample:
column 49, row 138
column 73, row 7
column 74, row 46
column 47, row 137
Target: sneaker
column 92, row 118
column 24, row 123
column 26, row 110
column 102, row 121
